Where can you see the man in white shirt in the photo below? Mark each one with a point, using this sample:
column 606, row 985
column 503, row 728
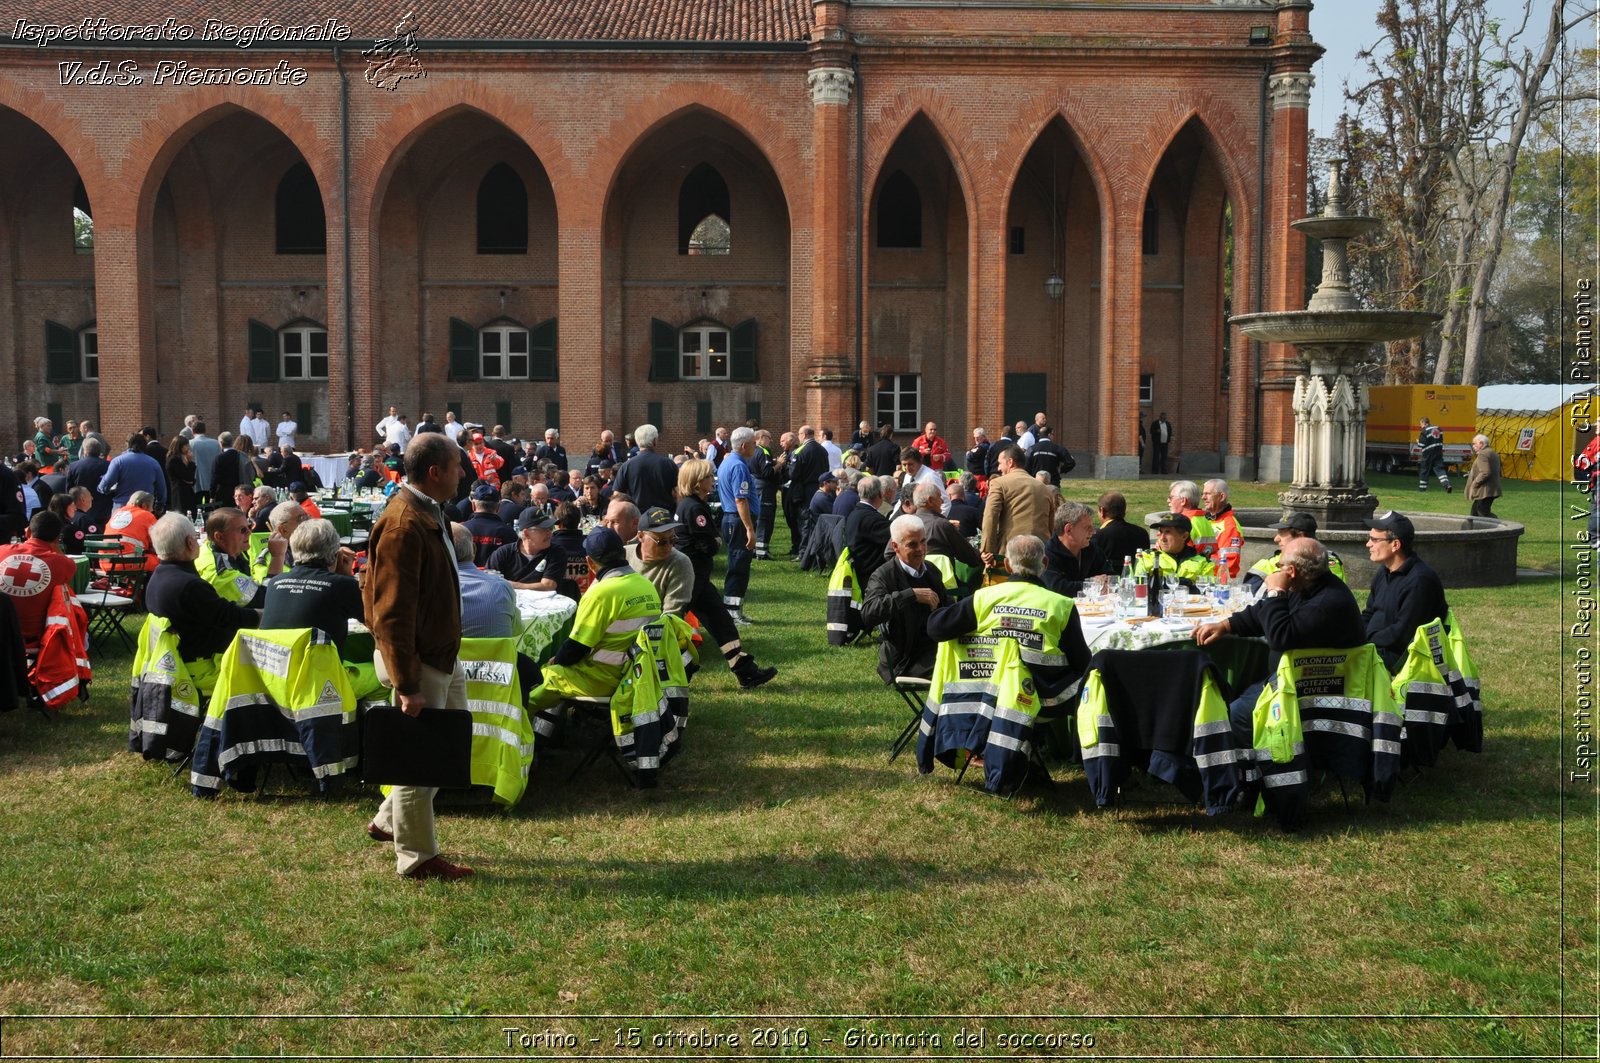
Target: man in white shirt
column 286, row 430
column 452, row 427
column 382, row 427
column 835, row 455
column 255, row 426
column 398, row 432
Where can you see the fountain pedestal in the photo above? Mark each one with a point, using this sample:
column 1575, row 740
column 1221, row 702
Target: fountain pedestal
column 1332, row 336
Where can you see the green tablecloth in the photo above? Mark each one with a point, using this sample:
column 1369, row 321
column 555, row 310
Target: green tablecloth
column 542, row 624
column 339, row 518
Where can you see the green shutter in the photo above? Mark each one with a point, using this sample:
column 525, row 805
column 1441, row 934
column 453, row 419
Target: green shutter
column 263, row 365
column 742, row 353
column 463, row 350
column 702, row 416
column 302, row 419
column 61, row 363
column 52, row 410
column 552, row 416
column 652, row 413
column 502, row 415
column 455, row 408
column 752, row 412
column 542, row 361
column 663, row 350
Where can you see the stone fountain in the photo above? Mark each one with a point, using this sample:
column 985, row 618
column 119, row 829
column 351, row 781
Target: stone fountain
column 1333, row 336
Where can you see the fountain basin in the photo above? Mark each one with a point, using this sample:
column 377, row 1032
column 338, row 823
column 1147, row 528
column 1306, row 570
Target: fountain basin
column 1465, row 551
column 1318, row 328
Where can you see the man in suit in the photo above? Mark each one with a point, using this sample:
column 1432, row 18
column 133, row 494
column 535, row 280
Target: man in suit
column 1018, row 505
column 866, row 530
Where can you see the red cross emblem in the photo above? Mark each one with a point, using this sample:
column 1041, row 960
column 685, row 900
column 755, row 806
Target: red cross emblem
column 24, row 576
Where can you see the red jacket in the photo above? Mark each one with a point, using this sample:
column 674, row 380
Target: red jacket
column 936, row 454
column 28, row 573
column 61, row 668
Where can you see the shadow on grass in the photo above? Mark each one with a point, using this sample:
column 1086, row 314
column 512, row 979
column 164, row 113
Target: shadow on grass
column 740, row 878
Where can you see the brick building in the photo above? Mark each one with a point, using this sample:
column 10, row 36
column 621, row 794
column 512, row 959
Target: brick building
column 598, row 212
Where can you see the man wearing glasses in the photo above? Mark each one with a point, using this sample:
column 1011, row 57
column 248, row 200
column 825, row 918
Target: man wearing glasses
column 1406, row 592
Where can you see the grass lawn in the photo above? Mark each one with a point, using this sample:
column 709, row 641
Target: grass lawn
column 787, row 886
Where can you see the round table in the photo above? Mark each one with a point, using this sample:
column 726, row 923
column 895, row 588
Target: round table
column 543, row 620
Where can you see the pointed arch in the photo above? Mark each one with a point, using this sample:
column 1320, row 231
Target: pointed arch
column 299, row 219
column 702, row 195
column 950, row 129
column 502, row 212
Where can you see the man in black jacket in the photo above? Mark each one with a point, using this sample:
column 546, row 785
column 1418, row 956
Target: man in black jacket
column 1049, row 457
column 648, row 478
column 866, row 530
column 1304, row 607
column 1406, row 592
column 882, row 457
column 806, row 466
column 1117, row 539
column 900, row 596
column 1071, row 558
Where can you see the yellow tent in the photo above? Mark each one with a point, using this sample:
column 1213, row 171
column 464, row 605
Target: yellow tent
column 1537, row 428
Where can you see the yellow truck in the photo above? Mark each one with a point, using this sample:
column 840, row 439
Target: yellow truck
column 1395, row 412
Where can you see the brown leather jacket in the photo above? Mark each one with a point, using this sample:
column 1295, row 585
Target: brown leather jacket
column 411, row 592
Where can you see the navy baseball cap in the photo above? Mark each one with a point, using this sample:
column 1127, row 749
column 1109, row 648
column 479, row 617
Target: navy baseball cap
column 603, row 545
column 483, row 491
column 1396, row 524
column 1304, row 523
column 532, row 518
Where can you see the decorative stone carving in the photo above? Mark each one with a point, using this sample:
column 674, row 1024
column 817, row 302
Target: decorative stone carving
column 830, row 85
column 1290, row 90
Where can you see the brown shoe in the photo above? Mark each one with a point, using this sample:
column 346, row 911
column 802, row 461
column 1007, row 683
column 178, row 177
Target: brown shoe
column 438, row 867
column 378, row 834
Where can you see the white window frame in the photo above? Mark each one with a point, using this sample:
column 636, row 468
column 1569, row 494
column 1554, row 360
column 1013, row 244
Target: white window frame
column 504, row 338
column 305, row 355
column 1147, row 389
column 87, row 357
column 705, row 361
column 895, row 412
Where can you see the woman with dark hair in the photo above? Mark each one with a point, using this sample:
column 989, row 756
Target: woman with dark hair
column 180, row 476
column 697, row 537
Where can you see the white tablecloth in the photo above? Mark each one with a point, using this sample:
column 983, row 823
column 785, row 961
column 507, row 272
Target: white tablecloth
column 543, row 615
column 331, row 468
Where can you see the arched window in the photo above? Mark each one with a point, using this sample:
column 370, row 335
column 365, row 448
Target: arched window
column 1152, row 226
column 302, row 226
column 502, row 213
column 702, row 205
column 82, row 221
column 899, row 212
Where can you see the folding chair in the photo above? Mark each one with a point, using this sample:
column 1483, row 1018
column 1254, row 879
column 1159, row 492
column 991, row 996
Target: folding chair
column 119, row 595
column 596, row 712
column 914, row 692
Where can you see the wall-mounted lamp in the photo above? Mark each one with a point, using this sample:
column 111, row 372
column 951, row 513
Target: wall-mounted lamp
column 1054, row 285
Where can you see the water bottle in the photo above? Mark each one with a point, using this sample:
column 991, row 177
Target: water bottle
column 1125, row 586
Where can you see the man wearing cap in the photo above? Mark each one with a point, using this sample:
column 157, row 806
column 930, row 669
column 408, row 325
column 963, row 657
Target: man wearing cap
column 486, row 463
column 648, row 478
column 651, row 555
column 1292, row 527
column 617, row 605
column 1174, row 553
column 1406, row 592
column 488, row 529
column 822, row 503
column 533, row 562
column 412, row 599
column 1430, row 444
column 1305, row 606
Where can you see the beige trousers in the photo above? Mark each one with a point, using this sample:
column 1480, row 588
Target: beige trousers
column 407, row 812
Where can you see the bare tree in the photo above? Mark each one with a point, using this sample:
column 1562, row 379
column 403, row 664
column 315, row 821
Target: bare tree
column 1435, row 137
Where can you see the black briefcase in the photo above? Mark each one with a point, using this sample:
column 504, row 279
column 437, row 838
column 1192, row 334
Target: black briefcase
column 433, row 748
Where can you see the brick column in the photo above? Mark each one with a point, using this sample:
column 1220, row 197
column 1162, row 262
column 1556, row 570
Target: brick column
column 830, row 372
column 987, row 356
column 125, row 318
column 585, row 364
column 1289, row 97
column 1121, row 337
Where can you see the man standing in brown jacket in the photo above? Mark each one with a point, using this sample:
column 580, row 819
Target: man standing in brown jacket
column 1018, row 505
column 412, row 597
column 1483, row 479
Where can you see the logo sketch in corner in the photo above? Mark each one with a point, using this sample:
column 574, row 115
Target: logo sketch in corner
column 394, row 59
